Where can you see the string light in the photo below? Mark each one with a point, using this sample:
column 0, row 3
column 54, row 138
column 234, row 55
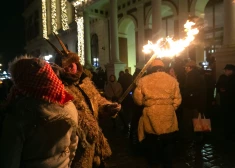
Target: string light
column 80, row 36
column 44, row 19
column 53, row 16
column 64, row 15
column 76, row 3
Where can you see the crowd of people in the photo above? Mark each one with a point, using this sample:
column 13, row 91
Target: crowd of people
column 50, row 111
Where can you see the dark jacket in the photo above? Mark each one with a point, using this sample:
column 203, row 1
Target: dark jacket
column 194, row 96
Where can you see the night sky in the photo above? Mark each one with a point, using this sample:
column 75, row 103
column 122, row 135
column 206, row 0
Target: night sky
column 12, row 39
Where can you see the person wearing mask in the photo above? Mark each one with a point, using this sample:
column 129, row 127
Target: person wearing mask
column 40, row 129
column 159, row 93
column 88, row 102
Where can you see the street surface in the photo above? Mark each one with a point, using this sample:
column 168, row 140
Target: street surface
column 213, row 152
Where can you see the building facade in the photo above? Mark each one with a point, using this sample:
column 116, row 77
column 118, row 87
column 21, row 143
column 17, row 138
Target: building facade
column 112, row 33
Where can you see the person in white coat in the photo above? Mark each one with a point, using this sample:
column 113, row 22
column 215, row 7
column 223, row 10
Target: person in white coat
column 159, row 93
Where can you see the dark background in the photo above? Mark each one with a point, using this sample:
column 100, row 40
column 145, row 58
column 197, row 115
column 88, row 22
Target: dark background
column 12, row 39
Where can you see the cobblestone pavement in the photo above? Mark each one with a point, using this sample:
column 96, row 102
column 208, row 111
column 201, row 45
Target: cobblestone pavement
column 214, row 152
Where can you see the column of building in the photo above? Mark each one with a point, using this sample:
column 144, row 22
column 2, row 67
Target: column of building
column 87, row 38
column 225, row 55
column 229, row 23
column 141, row 36
column 182, row 18
column 156, row 19
column 115, row 65
column 114, row 49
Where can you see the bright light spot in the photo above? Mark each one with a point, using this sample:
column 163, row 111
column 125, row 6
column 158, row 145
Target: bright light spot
column 0, row 64
column 77, row 3
column 168, row 47
column 47, row 57
column 4, row 73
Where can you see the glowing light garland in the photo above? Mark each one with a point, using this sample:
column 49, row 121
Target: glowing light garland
column 44, row 19
column 64, row 15
column 53, row 16
column 80, row 2
column 77, row 3
column 80, row 36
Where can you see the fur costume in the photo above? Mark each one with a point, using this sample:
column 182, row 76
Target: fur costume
column 99, row 148
column 160, row 95
column 90, row 105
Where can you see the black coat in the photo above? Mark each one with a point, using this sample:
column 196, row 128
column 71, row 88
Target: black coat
column 194, row 93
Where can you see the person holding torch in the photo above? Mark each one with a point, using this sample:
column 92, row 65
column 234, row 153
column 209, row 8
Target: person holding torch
column 159, row 93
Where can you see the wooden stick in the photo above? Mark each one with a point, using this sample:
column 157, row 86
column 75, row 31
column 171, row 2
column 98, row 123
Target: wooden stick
column 146, row 66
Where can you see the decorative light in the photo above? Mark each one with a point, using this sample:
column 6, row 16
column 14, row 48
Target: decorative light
column 47, row 57
column 44, row 19
column 80, row 36
column 53, row 16
column 77, row 3
column 96, row 62
column 64, row 15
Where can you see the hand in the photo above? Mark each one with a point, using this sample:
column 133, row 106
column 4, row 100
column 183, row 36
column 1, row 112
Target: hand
column 113, row 108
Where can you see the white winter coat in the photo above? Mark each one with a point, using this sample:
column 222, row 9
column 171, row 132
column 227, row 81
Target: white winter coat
column 159, row 93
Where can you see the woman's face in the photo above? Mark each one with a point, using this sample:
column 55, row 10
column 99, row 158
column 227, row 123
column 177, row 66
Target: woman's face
column 111, row 78
column 72, row 68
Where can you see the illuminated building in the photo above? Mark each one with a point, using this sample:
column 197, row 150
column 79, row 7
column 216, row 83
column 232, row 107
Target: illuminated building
column 115, row 31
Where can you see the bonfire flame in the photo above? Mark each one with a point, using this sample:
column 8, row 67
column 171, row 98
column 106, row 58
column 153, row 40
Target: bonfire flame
column 167, row 47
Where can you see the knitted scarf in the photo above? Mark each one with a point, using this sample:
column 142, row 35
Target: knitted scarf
column 35, row 77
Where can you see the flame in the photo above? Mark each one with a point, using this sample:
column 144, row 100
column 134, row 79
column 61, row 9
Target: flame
column 167, row 47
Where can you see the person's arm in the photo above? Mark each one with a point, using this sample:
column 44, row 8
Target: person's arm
column 11, row 143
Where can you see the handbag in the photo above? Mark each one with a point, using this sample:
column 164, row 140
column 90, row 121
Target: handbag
column 201, row 124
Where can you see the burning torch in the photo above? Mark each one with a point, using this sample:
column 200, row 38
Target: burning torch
column 164, row 47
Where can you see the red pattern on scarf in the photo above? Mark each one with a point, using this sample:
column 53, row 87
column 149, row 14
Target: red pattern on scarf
column 39, row 82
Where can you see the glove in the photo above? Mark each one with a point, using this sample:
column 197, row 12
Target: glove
column 113, row 108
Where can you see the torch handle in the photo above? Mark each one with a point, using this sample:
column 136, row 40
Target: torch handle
column 136, row 79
